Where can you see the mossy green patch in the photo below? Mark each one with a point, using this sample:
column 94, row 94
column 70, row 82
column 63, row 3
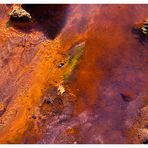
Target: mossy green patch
column 66, row 78
column 8, row 24
column 74, row 55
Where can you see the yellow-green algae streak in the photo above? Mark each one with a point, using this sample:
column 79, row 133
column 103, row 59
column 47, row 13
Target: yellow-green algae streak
column 74, row 54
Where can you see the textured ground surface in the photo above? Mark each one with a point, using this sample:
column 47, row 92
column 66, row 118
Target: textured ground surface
column 76, row 74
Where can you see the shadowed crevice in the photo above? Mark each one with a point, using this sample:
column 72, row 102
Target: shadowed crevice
column 50, row 18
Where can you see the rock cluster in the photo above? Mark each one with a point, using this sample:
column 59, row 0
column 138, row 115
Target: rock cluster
column 20, row 15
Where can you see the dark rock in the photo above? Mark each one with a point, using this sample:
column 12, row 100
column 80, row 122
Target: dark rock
column 125, row 97
column 61, row 65
column 20, row 15
column 48, row 101
column 33, row 117
column 144, row 141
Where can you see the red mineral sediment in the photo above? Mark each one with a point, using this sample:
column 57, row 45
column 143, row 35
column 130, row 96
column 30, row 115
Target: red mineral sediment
column 74, row 74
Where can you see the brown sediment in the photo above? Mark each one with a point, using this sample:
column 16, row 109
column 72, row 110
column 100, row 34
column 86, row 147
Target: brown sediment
column 85, row 82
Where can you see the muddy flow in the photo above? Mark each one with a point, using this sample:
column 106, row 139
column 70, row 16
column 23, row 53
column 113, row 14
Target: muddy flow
column 78, row 76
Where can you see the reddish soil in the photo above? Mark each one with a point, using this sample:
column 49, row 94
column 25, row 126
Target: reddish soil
column 75, row 74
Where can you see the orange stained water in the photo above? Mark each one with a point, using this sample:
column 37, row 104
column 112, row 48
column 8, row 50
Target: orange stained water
column 114, row 62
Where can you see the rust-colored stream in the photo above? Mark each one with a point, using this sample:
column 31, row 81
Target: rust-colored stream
column 98, row 95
